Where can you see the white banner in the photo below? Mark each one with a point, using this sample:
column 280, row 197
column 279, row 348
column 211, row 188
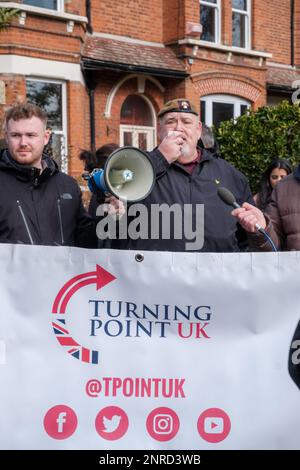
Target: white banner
column 177, row 351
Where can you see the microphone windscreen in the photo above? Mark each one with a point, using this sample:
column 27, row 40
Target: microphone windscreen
column 226, row 196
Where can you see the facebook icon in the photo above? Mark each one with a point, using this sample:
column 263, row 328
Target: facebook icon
column 60, row 422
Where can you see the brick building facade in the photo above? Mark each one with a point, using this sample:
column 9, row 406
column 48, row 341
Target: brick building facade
column 102, row 68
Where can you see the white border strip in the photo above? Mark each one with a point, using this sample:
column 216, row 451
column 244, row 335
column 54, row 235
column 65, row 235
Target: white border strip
column 40, row 68
column 59, row 14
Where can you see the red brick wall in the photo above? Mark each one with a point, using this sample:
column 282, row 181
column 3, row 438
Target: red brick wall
column 139, row 19
column 226, row 22
column 78, row 125
column 271, row 30
column 173, row 20
column 77, row 7
column 247, row 82
column 44, row 38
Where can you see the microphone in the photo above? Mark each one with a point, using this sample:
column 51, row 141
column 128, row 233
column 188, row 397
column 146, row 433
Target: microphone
column 230, row 200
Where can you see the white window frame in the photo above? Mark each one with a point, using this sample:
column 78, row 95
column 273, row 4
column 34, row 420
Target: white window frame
column 60, row 7
column 135, row 131
column 63, row 132
column 247, row 14
column 228, row 99
column 217, row 7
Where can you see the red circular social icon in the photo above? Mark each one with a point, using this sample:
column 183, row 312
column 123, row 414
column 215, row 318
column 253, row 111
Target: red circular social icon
column 162, row 424
column 111, row 423
column 214, row 425
column 60, row 422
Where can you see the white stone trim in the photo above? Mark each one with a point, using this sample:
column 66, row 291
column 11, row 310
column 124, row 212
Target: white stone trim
column 45, row 12
column 127, row 39
column 40, row 68
column 280, row 66
column 221, row 47
column 113, row 91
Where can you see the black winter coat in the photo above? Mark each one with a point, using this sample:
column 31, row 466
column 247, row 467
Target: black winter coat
column 174, row 185
column 42, row 208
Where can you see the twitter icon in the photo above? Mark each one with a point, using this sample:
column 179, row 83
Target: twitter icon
column 111, row 423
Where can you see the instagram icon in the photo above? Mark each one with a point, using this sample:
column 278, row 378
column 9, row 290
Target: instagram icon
column 162, row 424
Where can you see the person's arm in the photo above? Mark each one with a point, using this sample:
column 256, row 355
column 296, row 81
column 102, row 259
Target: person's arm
column 250, row 216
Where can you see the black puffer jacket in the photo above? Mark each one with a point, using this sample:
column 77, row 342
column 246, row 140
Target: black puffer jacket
column 174, row 185
column 42, row 208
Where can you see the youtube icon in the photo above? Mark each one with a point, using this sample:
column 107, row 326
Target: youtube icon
column 214, row 425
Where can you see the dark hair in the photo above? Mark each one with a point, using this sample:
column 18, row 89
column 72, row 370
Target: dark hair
column 265, row 188
column 25, row 110
column 97, row 159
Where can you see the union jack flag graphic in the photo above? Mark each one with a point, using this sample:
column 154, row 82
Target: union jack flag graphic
column 72, row 347
column 100, row 277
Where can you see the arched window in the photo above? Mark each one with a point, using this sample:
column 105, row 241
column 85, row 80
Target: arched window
column 137, row 127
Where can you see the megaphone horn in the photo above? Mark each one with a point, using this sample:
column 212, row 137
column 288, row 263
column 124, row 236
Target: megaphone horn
column 128, row 174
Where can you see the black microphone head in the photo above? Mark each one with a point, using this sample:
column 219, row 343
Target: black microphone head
column 227, row 197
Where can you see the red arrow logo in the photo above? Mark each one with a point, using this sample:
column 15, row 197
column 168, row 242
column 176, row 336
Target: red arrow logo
column 100, row 277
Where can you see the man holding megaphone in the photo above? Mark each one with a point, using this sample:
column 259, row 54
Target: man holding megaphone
column 186, row 182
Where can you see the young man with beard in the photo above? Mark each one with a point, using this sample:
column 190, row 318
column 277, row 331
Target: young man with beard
column 39, row 205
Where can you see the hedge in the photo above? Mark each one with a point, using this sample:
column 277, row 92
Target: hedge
column 253, row 140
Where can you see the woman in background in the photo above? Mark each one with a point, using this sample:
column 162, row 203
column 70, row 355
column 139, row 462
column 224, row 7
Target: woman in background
column 277, row 170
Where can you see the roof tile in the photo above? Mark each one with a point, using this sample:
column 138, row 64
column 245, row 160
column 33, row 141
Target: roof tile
column 110, row 50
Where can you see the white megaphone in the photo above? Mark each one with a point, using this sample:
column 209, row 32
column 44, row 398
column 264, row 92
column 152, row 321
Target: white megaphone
column 128, row 174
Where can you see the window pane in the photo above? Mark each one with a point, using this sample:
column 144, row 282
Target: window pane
column 222, row 112
column 50, row 4
column 135, row 111
column 127, row 138
column 56, row 150
column 239, row 4
column 238, row 30
column 207, row 19
column 203, row 111
column 49, row 97
column 142, row 141
column 243, row 108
